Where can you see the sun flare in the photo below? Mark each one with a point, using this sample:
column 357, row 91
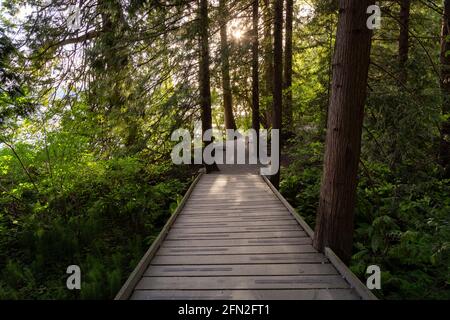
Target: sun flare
column 237, row 34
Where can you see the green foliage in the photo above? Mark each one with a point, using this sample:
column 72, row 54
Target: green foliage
column 300, row 183
column 98, row 214
column 85, row 176
column 403, row 228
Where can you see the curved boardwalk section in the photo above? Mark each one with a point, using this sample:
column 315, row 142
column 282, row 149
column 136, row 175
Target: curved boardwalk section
column 235, row 239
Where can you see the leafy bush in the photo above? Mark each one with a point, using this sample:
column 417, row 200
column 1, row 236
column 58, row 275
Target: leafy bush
column 101, row 215
column 402, row 226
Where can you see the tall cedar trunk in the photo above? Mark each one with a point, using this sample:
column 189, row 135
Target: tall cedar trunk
column 277, row 75
column 268, row 63
column 287, row 118
column 334, row 226
column 225, row 65
column 444, row 153
column 204, row 77
column 255, row 73
column 403, row 41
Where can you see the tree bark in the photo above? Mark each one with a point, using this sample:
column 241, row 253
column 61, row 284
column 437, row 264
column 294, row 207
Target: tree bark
column 204, row 77
column 225, row 65
column 255, row 73
column 277, row 110
column 288, row 67
column 444, row 149
column 268, row 63
column 403, row 51
column 334, row 223
column 403, row 41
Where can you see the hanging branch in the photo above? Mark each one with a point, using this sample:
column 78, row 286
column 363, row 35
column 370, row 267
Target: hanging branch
column 21, row 164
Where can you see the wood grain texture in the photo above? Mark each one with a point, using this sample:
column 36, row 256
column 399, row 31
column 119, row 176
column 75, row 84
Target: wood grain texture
column 241, row 270
column 276, row 258
column 284, row 248
column 243, row 282
column 235, row 235
column 236, row 238
column 308, row 294
column 235, row 242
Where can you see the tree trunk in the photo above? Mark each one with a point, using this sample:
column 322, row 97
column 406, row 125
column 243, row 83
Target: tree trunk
column 268, row 63
column 288, row 68
column 334, row 223
column 403, row 50
column 277, row 110
column 255, row 73
column 225, row 64
column 444, row 152
column 204, row 76
column 403, row 41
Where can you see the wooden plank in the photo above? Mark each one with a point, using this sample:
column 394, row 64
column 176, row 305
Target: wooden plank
column 223, row 224
column 239, row 204
column 240, row 270
column 223, row 212
column 243, row 208
column 232, row 177
column 243, row 180
column 354, row 282
column 241, row 218
column 235, row 215
column 193, row 230
column 237, row 250
column 127, row 289
column 234, row 242
column 223, row 183
column 296, row 258
column 260, row 186
column 233, row 189
column 238, row 235
column 230, row 188
column 227, row 184
column 242, row 282
column 214, row 202
column 213, row 199
column 235, row 194
column 218, row 197
column 305, row 294
column 249, row 179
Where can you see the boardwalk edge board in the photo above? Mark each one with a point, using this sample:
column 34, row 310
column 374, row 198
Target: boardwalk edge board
column 340, row 266
column 294, row 213
column 127, row 289
column 353, row 280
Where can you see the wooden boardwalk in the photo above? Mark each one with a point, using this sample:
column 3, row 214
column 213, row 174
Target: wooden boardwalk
column 235, row 237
